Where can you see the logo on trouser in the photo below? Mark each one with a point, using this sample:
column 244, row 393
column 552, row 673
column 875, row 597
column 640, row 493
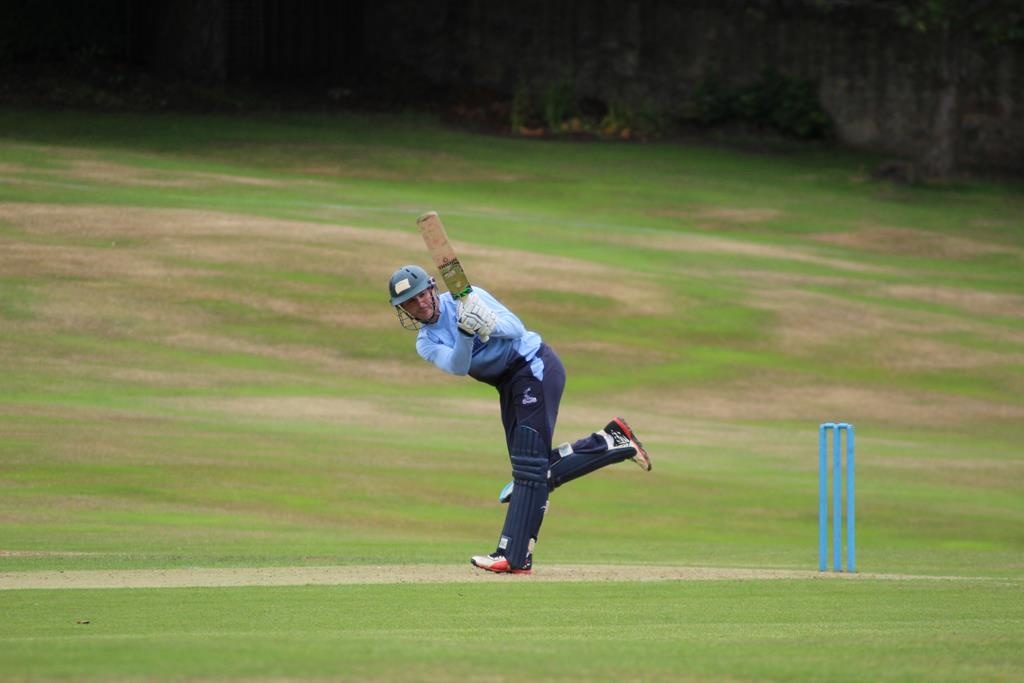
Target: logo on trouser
column 528, row 398
column 503, row 543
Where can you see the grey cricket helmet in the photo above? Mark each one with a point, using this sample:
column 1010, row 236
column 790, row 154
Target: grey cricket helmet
column 407, row 282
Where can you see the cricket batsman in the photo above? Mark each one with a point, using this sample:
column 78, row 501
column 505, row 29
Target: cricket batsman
column 478, row 336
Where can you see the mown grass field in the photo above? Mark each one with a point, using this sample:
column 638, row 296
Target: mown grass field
column 199, row 369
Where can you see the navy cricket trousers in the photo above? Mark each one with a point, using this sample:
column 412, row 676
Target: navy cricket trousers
column 526, row 400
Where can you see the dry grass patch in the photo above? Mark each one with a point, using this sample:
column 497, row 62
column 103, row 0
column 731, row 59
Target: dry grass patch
column 377, row 163
column 969, row 301
column 706, row 244
column 734, row 215
column 217, row 238
column 721, row 214
column 326, row 360
column 393, row 414
column 47, row 553
column 608, row 350
column 513, row 271
column 976, row 472
column 910, row 242
column 171, row 258
column 112, row 173
column 773, row 398
column 328, row 409
column 82, row 164
column 70, row 221
column 806, row 322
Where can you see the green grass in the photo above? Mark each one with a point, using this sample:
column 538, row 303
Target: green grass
column 198, row 368
column 799, row 631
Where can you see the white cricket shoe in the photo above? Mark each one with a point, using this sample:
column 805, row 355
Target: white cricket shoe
column 496, row 562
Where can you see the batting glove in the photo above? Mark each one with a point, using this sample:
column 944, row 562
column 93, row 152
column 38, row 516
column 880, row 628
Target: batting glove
column 476, row 317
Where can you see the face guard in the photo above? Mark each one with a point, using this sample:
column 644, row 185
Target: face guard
column 410, row 323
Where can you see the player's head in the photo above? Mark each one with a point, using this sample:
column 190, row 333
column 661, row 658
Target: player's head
column 414, row 295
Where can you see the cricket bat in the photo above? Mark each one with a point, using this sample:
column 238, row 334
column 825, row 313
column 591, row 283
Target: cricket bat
column 444, row 256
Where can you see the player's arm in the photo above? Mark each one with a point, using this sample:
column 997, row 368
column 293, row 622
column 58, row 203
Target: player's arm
column 455, row 360
column 508, row 326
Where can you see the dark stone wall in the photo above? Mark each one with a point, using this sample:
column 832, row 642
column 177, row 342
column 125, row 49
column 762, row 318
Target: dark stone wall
column 202, row 55
column 878, row 82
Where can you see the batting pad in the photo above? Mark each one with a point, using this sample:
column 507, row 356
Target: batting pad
column 580, row 462
column 529, row 497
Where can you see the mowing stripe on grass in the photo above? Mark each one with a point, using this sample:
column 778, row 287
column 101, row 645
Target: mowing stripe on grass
column 411, row 573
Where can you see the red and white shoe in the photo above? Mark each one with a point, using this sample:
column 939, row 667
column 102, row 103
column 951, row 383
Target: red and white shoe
column 621, row 435
column 496, row 562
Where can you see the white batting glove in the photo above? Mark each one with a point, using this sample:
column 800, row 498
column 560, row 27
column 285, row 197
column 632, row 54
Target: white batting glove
column 476, row 317
column 490, row 321
column 464, row 314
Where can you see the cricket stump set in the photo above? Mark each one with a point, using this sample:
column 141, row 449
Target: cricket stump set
column 836, row 429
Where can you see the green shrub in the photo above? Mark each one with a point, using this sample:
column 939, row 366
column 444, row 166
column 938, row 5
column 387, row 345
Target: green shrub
column 559, row 104
column 523, row 112
column 558, row 110
column 619, row 118
column 713, row 103
column 775, row 101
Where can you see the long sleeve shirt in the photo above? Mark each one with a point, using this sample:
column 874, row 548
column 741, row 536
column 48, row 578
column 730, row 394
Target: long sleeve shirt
column 510, row 344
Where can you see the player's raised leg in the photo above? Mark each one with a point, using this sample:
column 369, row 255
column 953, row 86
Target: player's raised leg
column 615, row 443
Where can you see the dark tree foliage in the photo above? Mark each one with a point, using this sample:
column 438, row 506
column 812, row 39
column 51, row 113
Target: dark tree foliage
column 51, row 30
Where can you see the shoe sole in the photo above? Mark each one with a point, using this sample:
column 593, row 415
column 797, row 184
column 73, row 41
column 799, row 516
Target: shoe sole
column 501, row 571
column 641, row 458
